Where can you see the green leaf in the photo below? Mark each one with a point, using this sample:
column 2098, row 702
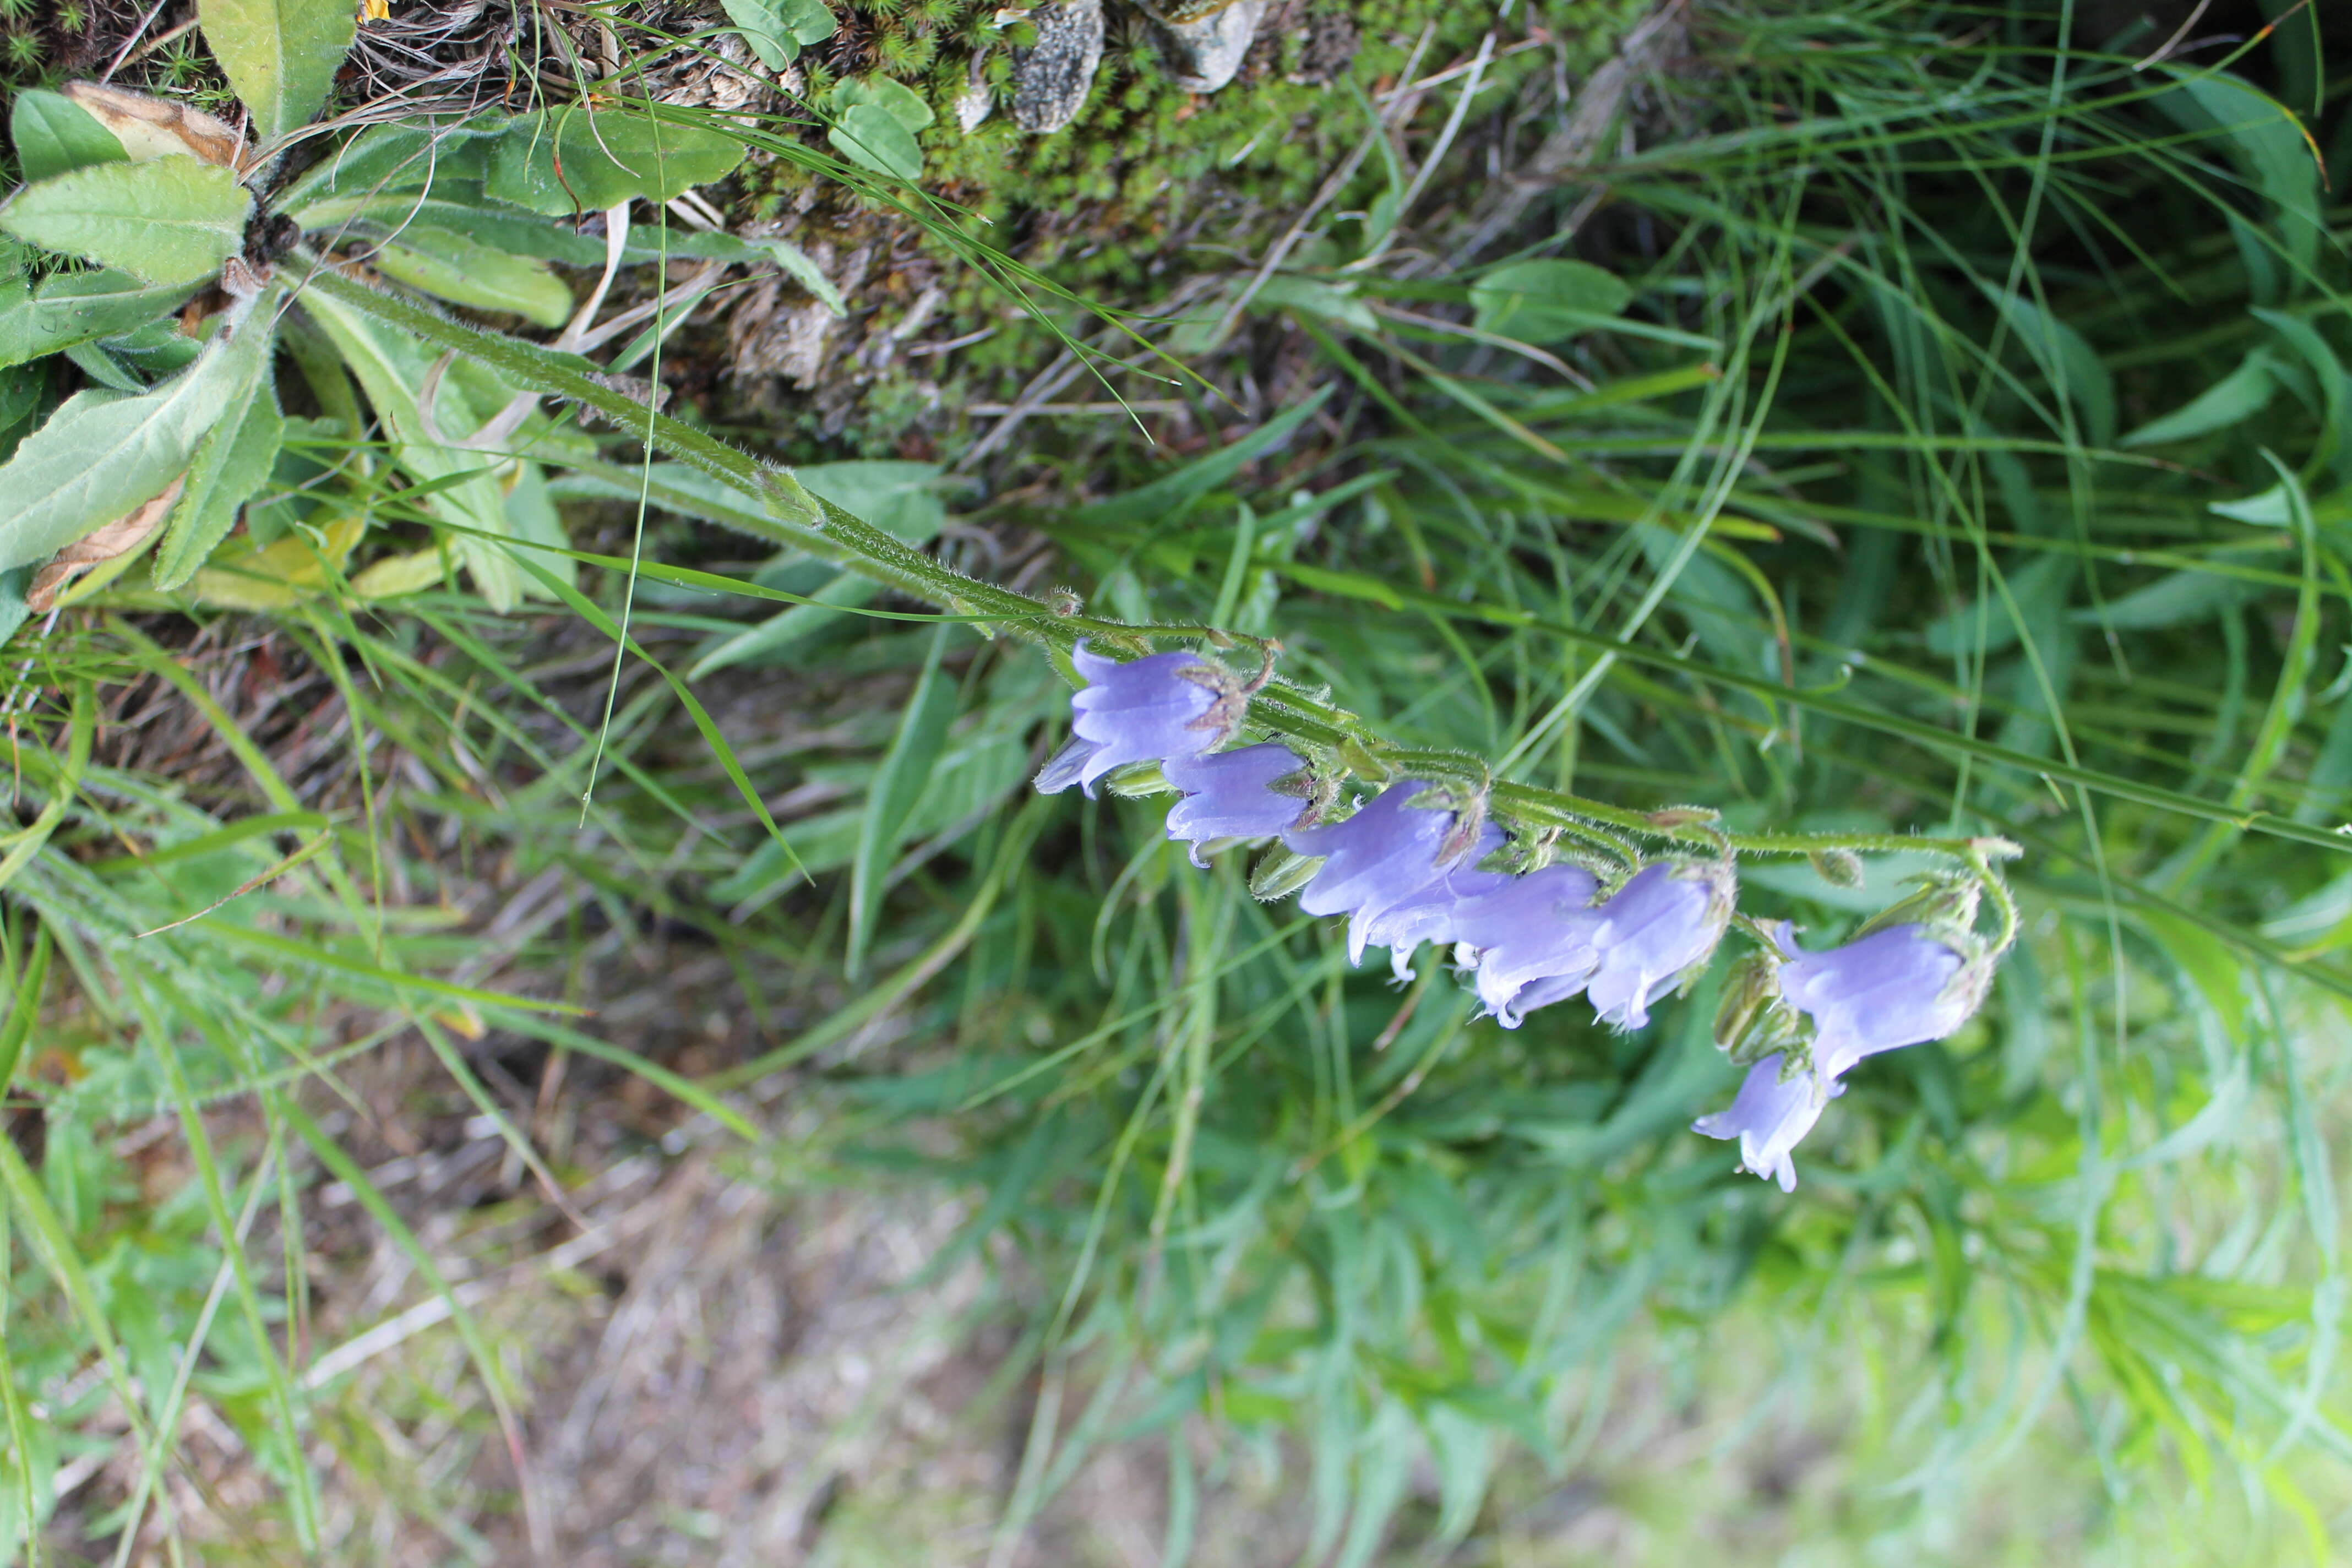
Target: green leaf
column 232, row 465
column 14, row 611
column 564, row 161
column 1544, row 301
column 1316, row 298
column 2067, row 361
column 458, row 206
column 101, row 453
column 281, row 56
column 100, row 367
column 170, row 221
column 811, row 21
column 156, row 347
column 896, row 99
column 898, row 787
column 872, row 137
column 467, row 272
column 803, row 269
column 385, row 158
column 2177, row 599
column 2334, row 386
column 55, row 135
column 2239, row 395
column 78, row 308
column 2268, row 144
column 20, row 394
column 776, row 29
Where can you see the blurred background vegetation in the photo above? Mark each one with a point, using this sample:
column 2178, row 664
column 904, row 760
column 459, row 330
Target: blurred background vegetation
column 446, row 1123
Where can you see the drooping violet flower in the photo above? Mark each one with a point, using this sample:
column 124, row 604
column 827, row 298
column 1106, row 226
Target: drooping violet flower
column 1434, row 913
column 1231, row 795
column 1653, row 930
column 1899, row 986
column 1147, row 710
column 1389, row 850
column 1770, row 1117
column 1533, row 941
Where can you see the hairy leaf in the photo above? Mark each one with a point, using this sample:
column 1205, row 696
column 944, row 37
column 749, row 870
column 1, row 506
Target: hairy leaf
column 102, row 452
column 465, row 272
column 391, row 368
column 394, row 158
column 170, row 221
column 281, row 56
column 233, row 462
column 803, row 269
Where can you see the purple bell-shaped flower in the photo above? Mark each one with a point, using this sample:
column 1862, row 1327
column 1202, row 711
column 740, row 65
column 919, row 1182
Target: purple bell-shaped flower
column 1434, row 913
column 1231, row 794
column 1147, row 710
column 1770, row 1118
column 1897, row 986
column 1653, row 930
column 1375, row 860
column 1533, row 940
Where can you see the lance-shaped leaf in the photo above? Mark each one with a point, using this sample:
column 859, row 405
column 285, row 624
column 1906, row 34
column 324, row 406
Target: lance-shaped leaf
column 172, row 221
column 102, row 453
column 281, row 56
column 465, row 272
column 233, row 462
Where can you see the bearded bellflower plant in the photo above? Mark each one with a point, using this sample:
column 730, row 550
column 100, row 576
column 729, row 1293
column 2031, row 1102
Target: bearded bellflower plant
column 1524, row 914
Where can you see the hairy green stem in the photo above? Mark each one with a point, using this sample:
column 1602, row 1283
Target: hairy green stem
column 796, row 519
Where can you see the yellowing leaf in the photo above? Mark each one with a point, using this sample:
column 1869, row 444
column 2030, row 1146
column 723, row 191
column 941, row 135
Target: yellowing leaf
column 280, row 575
column 151, row 128
column 397, row 574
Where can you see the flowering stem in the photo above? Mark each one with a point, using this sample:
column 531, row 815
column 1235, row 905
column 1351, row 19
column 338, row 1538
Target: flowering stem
column 796, row 519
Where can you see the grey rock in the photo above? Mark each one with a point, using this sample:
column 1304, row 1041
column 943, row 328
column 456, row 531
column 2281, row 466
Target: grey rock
column 1205, row 47
column 1050, row 79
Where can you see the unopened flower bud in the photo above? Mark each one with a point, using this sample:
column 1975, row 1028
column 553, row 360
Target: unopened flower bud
column 1754, row 1021
column 1281, row 873
column 1838, row 868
